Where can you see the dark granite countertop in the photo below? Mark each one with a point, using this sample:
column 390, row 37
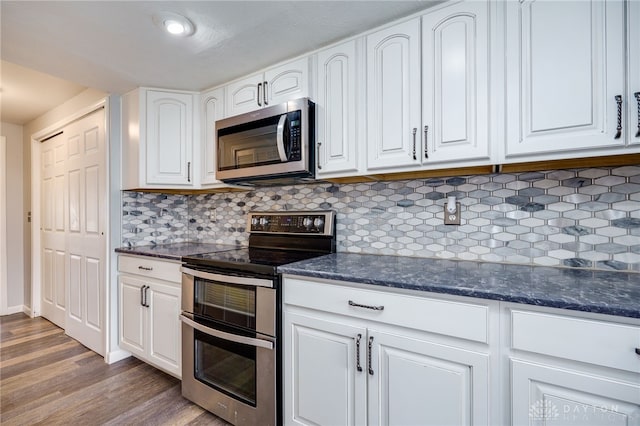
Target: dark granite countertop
column 605, row 292
column 174, row 251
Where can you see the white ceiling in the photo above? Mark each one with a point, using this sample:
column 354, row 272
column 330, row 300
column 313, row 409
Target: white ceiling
column 114, row 46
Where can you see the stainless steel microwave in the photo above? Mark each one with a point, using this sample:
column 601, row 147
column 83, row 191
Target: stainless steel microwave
column 268, row 146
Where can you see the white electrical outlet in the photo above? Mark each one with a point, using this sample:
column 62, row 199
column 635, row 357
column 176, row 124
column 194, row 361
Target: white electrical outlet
column 212, row 215
column 452, row 218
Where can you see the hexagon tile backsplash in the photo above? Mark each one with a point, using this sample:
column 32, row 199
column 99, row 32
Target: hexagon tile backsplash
column 579, row 218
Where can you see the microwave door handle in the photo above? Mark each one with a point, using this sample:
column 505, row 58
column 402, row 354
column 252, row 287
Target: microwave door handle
column 227, row 336
column 280, row 138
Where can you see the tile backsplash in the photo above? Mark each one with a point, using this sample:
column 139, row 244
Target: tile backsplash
column 579, row 218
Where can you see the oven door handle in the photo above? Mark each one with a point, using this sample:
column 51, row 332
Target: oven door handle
column 231, row 279
column 227, row 336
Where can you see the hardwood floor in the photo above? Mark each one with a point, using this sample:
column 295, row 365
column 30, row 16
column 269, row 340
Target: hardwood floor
column 48, row 378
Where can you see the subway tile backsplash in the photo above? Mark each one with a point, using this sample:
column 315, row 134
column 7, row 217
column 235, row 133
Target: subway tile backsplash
column 588, row 218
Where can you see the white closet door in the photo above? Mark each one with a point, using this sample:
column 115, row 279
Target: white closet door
column 53, row 228
column 85, row 239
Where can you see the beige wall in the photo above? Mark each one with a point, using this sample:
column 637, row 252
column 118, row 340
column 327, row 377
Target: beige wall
column 16, row 216
column 56, row 116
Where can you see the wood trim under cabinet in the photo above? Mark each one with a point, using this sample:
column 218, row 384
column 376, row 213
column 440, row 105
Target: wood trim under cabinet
column 573, row 163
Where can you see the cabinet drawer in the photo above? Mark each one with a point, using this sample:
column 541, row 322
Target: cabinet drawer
column 456, row 319
column 596, row 342
column 148, row 267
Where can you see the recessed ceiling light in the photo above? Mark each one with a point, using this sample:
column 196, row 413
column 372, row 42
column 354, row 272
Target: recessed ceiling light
column 174, row 24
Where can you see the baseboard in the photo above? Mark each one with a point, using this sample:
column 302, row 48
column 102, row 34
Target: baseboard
column 115, row 356
column 27, row 310
column 15, row 309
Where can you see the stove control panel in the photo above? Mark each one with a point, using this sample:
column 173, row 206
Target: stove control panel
column 311, row 222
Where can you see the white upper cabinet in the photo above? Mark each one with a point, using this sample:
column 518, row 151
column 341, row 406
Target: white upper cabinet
column 336, row 109
column 633, row 73
column 393, row 96
column 428, row 97
column 565, row 78
column 169, row 137
column 275, row 85
column 157, row 139
column 455, row 86
column 212, row 109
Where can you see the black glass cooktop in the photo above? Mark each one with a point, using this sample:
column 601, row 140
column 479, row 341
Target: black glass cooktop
column 253, row 260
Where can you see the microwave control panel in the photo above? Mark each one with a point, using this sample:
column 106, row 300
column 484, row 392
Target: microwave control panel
column 294, row 134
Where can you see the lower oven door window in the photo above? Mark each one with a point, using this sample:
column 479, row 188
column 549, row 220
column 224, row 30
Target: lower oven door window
column 227, row 366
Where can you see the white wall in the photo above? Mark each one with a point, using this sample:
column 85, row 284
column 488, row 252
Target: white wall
column 16, row 216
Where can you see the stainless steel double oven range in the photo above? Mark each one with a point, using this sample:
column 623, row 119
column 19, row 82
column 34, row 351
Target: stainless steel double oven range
column 231, row 319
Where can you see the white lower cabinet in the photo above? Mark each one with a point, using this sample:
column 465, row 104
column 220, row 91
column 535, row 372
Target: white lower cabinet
column 149, row 311
column 572, row 370
column 347, row 363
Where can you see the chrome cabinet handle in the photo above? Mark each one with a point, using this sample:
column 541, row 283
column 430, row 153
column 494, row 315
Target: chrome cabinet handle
column 358, row 305
column 637, row 95
column 143, row 296
column 189, row 171
column 264, row 94
column 415, row 130
column 369, row 355
column 358, row 366
column 619, row 128
column 144, row 268
column 318, row 147
column 259, row 86
column 426, row 142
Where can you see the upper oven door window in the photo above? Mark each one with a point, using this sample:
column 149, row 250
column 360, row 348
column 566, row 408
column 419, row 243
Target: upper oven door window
column 271, row 140
column 228, row 303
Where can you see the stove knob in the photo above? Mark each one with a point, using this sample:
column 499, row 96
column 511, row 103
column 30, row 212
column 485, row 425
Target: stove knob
column 318, row 222
column 264, row 221
column 307, row 222
column 254, row 221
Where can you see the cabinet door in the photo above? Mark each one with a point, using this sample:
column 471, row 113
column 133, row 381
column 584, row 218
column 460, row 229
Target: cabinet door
column 416, row 382
column 322, row 384
column 633, row 52
column 336, row 109
column 212, row 110
column 242, row 96
column 545, row 395
column 169, row 137
column 165, row 338
column 393, row 97
column 455, row 88
column 565, row 66
column 286, row 82
column 132, row 315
